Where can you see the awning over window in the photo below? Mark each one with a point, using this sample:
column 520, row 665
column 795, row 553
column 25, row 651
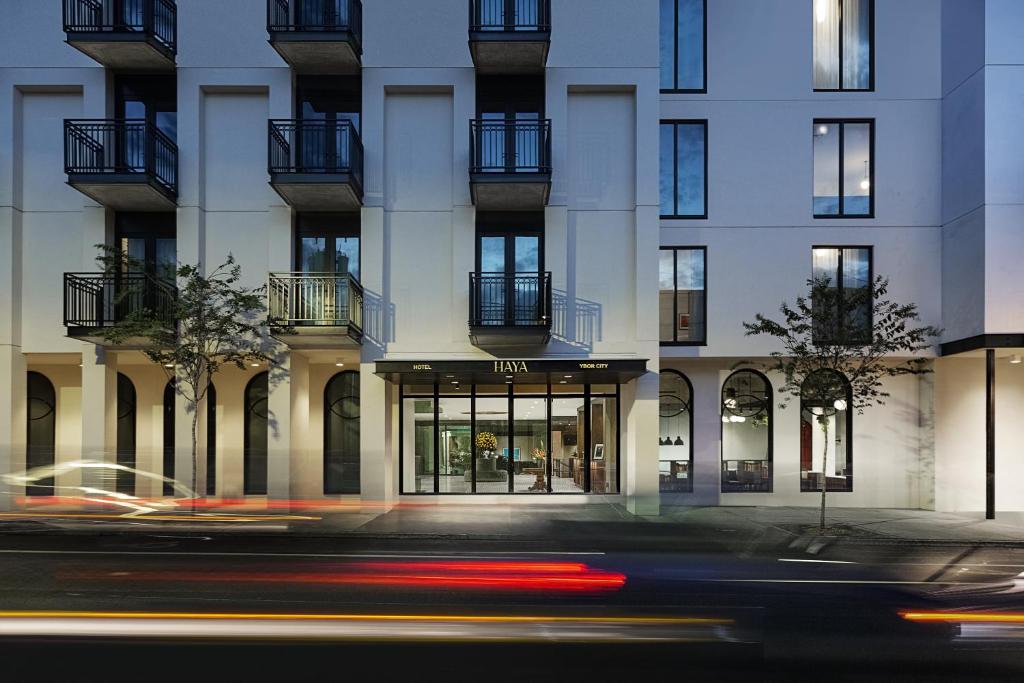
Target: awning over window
column 584, row 371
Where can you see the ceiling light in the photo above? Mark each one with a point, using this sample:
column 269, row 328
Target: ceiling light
column 840, row 404
column 562, row 382
column 339, row 363
column 168, row 365
column 567, row 376
column 255, row 365
column 1015, row 359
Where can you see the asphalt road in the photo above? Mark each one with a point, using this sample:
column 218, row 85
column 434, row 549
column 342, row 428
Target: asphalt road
column 199, row 607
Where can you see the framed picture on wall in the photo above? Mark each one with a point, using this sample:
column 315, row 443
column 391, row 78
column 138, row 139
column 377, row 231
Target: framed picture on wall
column 598, row 451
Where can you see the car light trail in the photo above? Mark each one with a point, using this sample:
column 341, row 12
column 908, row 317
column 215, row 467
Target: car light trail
column 965, row 617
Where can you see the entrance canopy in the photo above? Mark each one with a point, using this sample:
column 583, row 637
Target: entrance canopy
column 586, row 371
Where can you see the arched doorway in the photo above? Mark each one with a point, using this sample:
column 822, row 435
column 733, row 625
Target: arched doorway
column 675, row 433
column 211, row 440
column 341, row 434
column 169, row 392
column 746, row 432
column 126, row 415
column 255, row 455
column 42, row 430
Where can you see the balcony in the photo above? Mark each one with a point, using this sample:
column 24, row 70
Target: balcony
column 94, row 302
column 317, row 165
column 124, row 164
column 510, row 164
column 138, row 35
column 509, row 309
column 315, row 310
column 317, row 36
column 509, row 36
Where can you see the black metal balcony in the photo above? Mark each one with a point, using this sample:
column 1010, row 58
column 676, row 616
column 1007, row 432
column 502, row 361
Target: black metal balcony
column 125, row 164
column 317, row 36
column 509, row 309
column 315, row 310
column 124, row 34
column 509, row 36
column 96, row 301
column 317, row 165
column 510, row 163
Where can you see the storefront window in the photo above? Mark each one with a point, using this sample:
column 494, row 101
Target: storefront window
column 418, row 444
column 455, row 444
column 492, row 449
column 746, row 432
column 567, row 471
column 675, row 423
column 529, row 457
column 825, row 431
column 603, row 444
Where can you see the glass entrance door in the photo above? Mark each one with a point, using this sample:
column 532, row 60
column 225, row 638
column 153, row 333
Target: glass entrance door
column 327, row 251
column 509, row 269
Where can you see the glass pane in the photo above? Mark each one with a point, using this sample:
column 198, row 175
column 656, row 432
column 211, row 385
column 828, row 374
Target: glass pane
column 134, row 248
column 824, row 448
column 690, row 177
column 492, row 254
column 126, row 425
column 41, row 435
column 746, row 446
column 856, row 169
column 347, row 256
column 527, row 142
column 666, row 293
column 454, row 429
column 856, row 293
column 691, row 45
column 690, row 324
column 492, row 142
column 825, row 271
column 668, row 44
column 527, row 253
column 567, row 474
column 856, row 44
column 418, row 445
column 492, row 449
column 826, row 44
column 826, row 169
column 603, row 445
column 667, row 169
column 315, row 257
column 341, row 434
column 167, row 123
column 166, row 259
column 674, row 445
column 255, row 458
column 530, row 450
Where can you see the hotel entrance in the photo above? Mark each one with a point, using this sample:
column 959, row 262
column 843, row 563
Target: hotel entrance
column 510, row 427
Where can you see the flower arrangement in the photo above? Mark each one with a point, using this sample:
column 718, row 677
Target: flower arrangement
column 538, row 454
column 486, row 441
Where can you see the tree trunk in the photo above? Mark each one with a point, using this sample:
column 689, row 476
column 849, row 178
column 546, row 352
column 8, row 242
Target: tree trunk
column 824, row 473
column 195, row 453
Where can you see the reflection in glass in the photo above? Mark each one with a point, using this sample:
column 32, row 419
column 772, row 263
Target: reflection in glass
column 418, row 444
column 666, row 295
column 603, row 431
column 856, row 169
column 842, row 44
column 746, row 432
column 126, row 412
column 341, row 434
column 681, row 295
column 826, row 169
column 675, row 424
column 454, row 441
column 825, row 405
column 681, row 183
column 848, row 274
column 530, row 449
column 257, row 393
column 682, row 44
column 492, row 447
column 42, row 426
column 567, row 462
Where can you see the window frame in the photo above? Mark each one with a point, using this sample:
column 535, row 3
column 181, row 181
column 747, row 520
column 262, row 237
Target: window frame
column 770, row 409
column 327, row 431
column 689, row 410
column 839, row 281
column 675, row 57
column 871, row 51
column 841, row 122
column 848, row 436
column 675, row 169
column 675, row 301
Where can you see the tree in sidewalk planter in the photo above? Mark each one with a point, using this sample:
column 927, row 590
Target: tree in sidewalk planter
column 838, row 347
column 211, row 322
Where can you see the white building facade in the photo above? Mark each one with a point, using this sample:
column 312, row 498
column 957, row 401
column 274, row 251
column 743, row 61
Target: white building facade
column 508, row 245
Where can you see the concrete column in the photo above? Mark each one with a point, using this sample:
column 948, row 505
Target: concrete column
column 279, row 428
column 926, row 439
column 640, row 407
column 13, row 418
column 707, row 434
column 378, row 472
column 99, row 404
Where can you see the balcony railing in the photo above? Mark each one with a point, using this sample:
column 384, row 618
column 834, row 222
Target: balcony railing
column 325, row 16
column 157, row 19
column 316, row 147
column 120, row 147
column 510, row 300
column 97, row 300
column 510, row 15
column 316, row 300
column 497, row 146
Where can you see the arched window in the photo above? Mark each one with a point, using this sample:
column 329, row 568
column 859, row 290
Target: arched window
column 42, row 429
column 211, row 440
column 255, row 455
column 169, row 436
column 126, row 411
column 675, row 433
column 826, row 432
column 747, row 432
column 341, row 434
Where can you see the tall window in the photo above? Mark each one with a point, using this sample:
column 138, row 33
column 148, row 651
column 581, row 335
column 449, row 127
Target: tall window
column 255, row 456
column 327, row 243
column 211, row 440
column 509, row 265
column 747, row 432
column 126, row 413
column 844, row 168
column 169, row 392
column 675, row 433
column 683, row 163
column 682, row 304
column 341, row 434
column 843, row 308
column 683, row 46
column 826, row 432
column 844, row 44
column 42, row 426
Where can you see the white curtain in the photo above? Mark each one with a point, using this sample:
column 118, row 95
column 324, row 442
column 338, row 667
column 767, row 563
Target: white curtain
column 826, row 44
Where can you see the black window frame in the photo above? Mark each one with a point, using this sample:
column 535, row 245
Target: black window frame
column 840, row 286
column 770, row 409
column 327, row 490
column 871, row 51
column 328, row 225
column 841, row 122
column 675, row 56
column 848, row 397
column 675, row 168
column 689, row 411
column 509, row 225
column 675, row 300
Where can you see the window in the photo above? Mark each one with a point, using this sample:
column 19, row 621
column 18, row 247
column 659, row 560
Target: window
column 42, row 426
column 509, row 269
column 826, row 432
column 341, row 434
column 675, row 430
column 844, row 168
column 684, row 46
column 327, row 243
column 842, row 307
column 211, row 440
column 844, row 44
column 126, row 412
column 682, row 303
column 747, row 433
column 169, row 392
column 683, row 164
column 255, row 440
column 147, row 241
